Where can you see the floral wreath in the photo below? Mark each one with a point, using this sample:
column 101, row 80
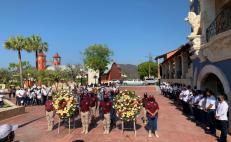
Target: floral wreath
column 127, row 105
column 64, row 104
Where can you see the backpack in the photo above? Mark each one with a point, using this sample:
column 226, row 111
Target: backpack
column 49, row 106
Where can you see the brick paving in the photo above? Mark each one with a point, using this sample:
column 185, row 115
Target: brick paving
column 173, row 126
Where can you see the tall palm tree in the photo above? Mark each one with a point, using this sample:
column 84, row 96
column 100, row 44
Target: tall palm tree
column 17, row 44
column 35, row 43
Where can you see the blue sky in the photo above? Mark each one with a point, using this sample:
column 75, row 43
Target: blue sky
column 131, row 28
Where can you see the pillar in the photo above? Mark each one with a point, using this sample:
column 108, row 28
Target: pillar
column 184, row 60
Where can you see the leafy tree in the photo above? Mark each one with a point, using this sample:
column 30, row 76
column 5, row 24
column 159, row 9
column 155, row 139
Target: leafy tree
column 143, row 69
column 18, row 44
column 14, row 67
column 97, row 57
column 73, row 71
column 35, row 44
column 5, row 76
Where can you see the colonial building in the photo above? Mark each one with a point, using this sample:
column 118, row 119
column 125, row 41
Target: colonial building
column 211, row 50
column 113, row 72
column 176, row 66
column 205, row 62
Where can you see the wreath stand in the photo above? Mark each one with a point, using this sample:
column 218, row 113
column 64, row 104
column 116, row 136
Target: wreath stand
column 69, row 124
column 134, row 127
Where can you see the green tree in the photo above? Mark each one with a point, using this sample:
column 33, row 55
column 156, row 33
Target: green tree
column 14, row 67
column 5, row 76
column 97, row 57
column 18, row 44
column 35, row 44
column 73, row 71
column 143, row 69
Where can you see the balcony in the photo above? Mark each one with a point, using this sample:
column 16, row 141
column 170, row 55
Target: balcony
column 221, row 24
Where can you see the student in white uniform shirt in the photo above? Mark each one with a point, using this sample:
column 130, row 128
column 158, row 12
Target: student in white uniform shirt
column 210, row 107
column 1, row 98
column 222, row 117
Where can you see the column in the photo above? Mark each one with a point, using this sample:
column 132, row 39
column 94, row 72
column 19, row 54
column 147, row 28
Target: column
column 158, row 71
column 176, row 67
column 184, row 60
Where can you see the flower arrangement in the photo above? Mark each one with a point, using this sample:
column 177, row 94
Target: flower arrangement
column 127, row 105
column 64, row 104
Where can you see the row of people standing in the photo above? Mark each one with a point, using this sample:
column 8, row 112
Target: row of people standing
column 204, row 107
column 36, row 95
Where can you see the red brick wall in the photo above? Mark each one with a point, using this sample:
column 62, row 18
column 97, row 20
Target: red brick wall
column 114, row 73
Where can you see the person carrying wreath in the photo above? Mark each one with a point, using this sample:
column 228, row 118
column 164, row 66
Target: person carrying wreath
column 152, row 109
column 85, row 112
column 106, row 106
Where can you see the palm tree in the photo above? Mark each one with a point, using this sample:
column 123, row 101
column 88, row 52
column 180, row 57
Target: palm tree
column 35, row 43
column 17, row 44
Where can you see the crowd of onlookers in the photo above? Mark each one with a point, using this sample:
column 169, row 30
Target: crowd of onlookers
column 207, row 109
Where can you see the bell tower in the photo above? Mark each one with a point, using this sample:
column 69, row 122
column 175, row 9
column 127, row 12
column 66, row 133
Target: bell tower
column 41, row 61
column 56, row 60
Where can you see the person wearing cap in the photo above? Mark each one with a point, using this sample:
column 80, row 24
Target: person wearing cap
column 85, row 112
column 144, row 102
column 7, row 132
column 93, row 107
column 50, row 114
column 106, row 106
column 222, row 117
column 152, row 109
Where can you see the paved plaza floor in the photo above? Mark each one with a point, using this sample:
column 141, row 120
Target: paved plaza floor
column 173, row 126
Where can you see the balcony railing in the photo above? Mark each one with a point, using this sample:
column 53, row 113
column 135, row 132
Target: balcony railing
column 221, row 24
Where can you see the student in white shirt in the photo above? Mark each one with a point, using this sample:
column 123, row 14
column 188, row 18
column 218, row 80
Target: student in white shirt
column 221, row 116
column 1, row 98
column 210, row 111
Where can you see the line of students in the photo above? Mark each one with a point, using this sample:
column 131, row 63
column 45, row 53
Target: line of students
column 204, row 107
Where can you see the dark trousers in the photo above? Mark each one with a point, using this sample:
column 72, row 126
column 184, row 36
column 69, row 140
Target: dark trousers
column 211, row 121
column 224, row 130
column 152, row 123
column 1, row 104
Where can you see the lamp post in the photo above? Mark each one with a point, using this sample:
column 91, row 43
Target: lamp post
column 95, row 77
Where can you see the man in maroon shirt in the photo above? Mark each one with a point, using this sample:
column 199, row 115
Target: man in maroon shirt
column 93, row 107
column 84, row 112
column 106, row 106
column 50, row 113
column 152, row 109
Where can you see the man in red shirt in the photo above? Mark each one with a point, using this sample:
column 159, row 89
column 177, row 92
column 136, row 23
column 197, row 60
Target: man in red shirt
column 84, row 112
column 152, row 109
column 106, row 106
column 50, row 113
column 93, row 107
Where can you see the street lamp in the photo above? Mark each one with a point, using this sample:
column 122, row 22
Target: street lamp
column 95, row 77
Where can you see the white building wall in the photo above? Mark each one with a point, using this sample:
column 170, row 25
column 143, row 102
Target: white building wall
column 91, row 74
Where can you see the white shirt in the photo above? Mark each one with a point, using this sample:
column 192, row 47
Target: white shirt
column 186, row 95
column 222, row 110
column 1, row 95
column 201, row 104
column 211, row 100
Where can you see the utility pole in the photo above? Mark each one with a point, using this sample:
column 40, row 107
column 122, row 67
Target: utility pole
column 149, row 64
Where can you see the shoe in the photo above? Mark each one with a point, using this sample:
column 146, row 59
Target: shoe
column 86, row 132
column 157, row 135
column 83, row 132
column 105, row 132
